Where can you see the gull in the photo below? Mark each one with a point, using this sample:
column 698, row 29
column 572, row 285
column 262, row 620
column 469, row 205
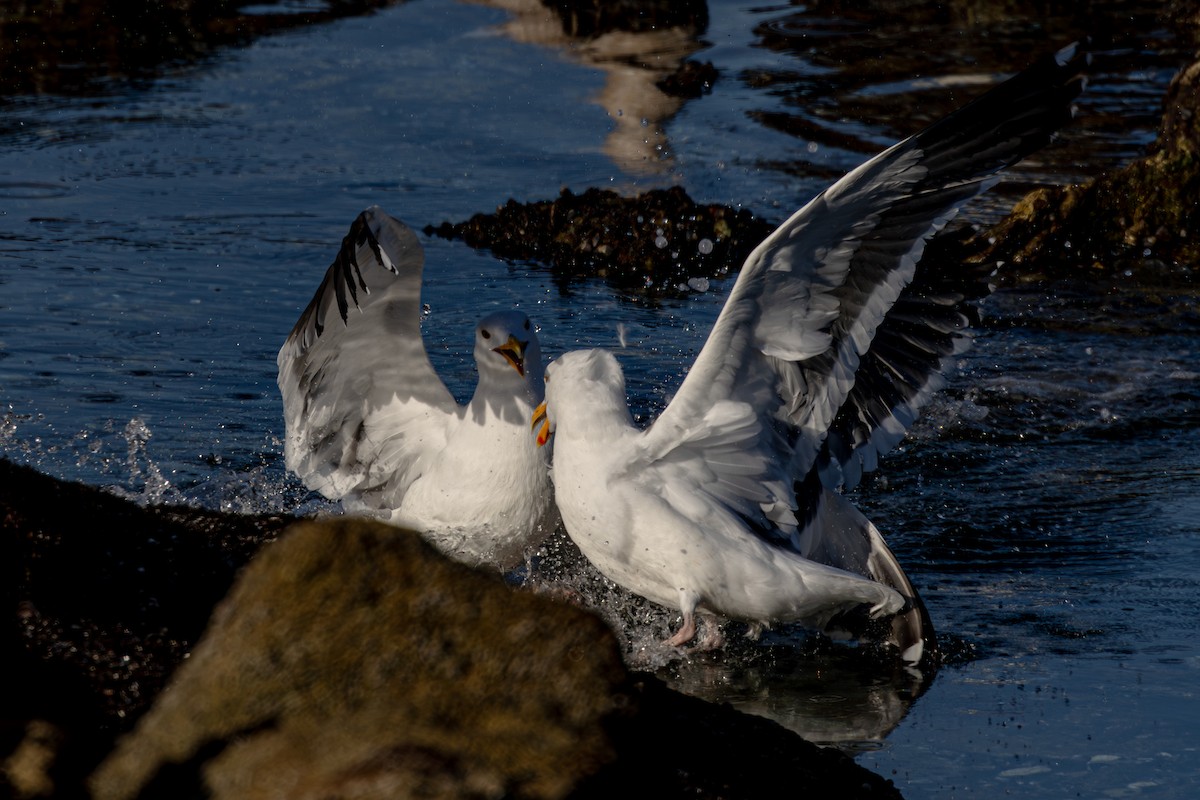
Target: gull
column 730, row 503
column 369, row 422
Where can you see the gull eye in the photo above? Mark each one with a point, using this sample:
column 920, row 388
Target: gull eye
column 486, row 333
column 526, row 324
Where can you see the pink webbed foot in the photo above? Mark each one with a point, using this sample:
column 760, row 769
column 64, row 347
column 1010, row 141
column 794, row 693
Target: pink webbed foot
column 686, row 632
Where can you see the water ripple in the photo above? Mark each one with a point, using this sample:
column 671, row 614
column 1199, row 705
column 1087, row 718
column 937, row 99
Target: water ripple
column 30, row 190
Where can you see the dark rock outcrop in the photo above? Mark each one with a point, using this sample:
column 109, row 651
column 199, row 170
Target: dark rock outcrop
column 1137, row 222
column 349, row 659
column 647, row 246
column 71, row 48
column 1116, row 254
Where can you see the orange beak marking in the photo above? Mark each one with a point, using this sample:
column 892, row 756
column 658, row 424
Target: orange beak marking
column 539, row 415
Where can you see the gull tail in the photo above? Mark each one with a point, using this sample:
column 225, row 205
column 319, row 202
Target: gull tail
column 838, row 535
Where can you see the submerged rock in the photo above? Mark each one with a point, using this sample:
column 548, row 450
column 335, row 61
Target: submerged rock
column 349, row 659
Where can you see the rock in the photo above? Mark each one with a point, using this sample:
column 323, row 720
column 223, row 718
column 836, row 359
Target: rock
column 135, row 40
column 103, row 599
column 349, row 659
column 648, row 246
column 1132, row 229
column 110, row 591
column 352, row 660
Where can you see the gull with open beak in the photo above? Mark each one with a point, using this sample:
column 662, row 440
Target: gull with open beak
column 728, row 504
column 370, row 423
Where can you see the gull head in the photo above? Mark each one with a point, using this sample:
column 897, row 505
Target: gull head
column 508, row 357
column 506, row 340
column 584, row 389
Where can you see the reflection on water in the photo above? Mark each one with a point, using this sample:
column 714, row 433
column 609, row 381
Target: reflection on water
column 639, row 51
column 828, row 692
column 156, row 248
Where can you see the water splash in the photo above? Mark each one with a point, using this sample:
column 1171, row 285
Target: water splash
column 640, row 626
column 146, row 483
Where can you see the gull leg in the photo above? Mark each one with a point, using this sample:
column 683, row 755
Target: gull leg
column 687, row 631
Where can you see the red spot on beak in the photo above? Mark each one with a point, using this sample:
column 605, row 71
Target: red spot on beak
column 539, row 415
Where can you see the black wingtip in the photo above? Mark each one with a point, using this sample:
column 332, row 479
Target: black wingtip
column 1018, row 116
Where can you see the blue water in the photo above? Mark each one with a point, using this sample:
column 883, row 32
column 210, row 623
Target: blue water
column 159, row 238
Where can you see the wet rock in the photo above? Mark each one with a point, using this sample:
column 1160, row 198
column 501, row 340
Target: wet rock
column 103, row 598
column 349, row 659
column 649, row 246
column 67, row 48
column 110, row 590
column 1132, row 229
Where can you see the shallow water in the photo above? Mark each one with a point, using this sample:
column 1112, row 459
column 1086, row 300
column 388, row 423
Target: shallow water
column 159, row 236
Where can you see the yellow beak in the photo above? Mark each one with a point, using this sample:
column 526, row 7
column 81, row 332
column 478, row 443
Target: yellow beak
column 539, row 415
column 514, row 351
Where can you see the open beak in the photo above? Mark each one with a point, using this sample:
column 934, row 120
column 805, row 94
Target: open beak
column 539, row 415
column 514, row 351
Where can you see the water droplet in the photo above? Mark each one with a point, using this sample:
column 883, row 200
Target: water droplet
column 660, row 241
column 705, row 246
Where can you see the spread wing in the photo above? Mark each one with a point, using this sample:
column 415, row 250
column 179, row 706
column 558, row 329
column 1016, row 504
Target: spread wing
column 362, row 404
column 818, row 335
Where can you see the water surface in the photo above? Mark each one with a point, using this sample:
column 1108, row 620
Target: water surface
column 160, row 233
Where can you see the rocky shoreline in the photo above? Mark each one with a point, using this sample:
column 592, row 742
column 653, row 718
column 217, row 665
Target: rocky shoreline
column 348, row 659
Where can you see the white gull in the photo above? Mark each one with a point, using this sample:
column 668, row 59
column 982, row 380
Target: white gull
column 728, row 503
column 369, row 421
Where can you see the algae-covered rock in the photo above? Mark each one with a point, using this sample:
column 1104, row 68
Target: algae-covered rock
column 647, row 246
column 1134, row 226
column 350, row 658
